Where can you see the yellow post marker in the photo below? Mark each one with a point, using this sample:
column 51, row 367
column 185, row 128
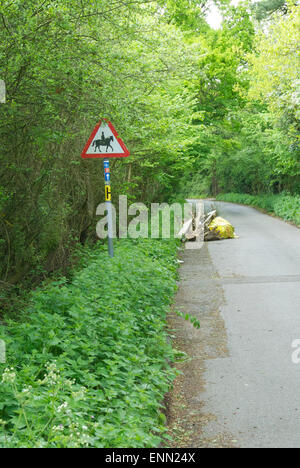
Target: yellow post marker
column 107, row 193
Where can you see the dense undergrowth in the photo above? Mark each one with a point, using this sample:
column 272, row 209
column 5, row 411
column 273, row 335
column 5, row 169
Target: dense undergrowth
column 284, row 205
column 87, row 362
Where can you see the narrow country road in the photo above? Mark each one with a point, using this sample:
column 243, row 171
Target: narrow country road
column 240, row 387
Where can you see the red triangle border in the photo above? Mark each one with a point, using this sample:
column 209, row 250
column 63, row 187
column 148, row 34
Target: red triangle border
column 86, row 155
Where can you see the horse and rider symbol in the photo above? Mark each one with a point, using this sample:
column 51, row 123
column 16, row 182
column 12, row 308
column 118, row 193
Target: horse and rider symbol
column 103, row 142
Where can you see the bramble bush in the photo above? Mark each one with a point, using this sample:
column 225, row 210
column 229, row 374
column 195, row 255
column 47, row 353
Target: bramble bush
column 284, row 205
column 88, row 360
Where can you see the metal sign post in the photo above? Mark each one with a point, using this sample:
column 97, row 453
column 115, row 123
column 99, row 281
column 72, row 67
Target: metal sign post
column 105, row 142
column 108, row 207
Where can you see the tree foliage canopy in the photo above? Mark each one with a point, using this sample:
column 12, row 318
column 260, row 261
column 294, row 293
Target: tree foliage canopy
column 202, row 111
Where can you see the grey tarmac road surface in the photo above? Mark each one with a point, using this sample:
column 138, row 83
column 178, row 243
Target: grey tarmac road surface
column 246, row 293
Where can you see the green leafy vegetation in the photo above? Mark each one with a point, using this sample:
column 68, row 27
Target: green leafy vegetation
column 285, row 205
column 89, row 357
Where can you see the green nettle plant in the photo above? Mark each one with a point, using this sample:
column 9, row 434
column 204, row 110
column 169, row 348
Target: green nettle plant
column 62, row 418
column 88, row 361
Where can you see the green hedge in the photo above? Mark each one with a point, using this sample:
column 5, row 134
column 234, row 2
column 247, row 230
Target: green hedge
column 284, row 205
column 87, row 364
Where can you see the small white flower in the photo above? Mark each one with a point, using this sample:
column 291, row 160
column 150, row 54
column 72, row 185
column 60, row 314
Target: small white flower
column 9, row 375
column 58, row 428
column 27, row 389
column 62, row 407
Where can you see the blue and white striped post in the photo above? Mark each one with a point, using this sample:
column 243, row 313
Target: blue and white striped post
column 108, row 207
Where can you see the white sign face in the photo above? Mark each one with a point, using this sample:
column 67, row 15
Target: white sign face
column 105, row 142
column 2, row 92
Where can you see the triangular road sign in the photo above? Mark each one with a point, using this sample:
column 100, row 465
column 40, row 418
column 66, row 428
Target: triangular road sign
column 104, row 142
